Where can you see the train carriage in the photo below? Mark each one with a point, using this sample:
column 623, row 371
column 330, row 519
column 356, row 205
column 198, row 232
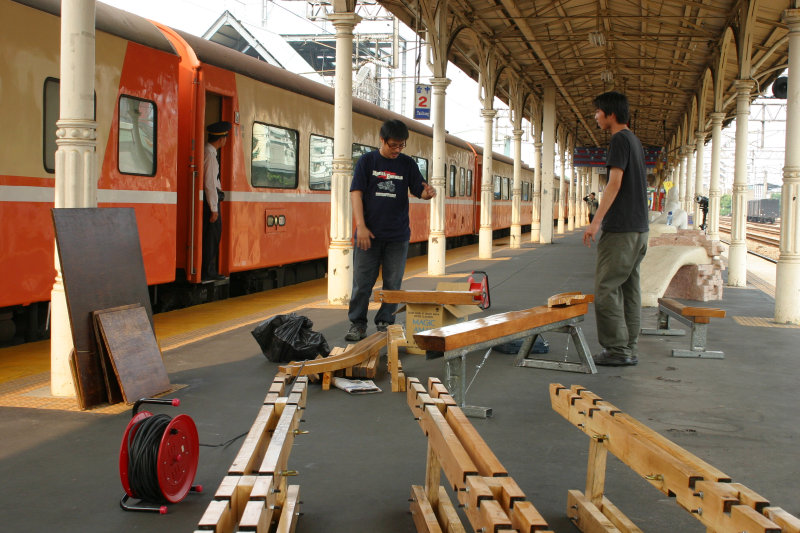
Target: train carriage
column 156, row 90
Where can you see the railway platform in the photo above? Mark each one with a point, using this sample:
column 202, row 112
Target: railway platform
column 60, row 470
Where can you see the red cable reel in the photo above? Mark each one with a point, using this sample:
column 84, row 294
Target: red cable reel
column 158, row 467
column 480, row 288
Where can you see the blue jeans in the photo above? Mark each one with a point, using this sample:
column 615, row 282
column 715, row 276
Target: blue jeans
column 390, row 257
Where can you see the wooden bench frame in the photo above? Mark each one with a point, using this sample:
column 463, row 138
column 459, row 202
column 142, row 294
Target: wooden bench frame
column 457, row 340
column 697, row 318
column 491, row 499
column 707, row 493
column 255, row 492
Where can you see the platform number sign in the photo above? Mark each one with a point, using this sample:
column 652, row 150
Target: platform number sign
column 422, row 102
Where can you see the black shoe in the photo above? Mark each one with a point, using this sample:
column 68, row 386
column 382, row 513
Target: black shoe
column 605, row 358
column 356, row 333
column 382, row 326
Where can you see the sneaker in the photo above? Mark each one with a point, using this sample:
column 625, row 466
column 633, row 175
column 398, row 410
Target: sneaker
column 605, row 358
column 382, row 326
column 356, row 333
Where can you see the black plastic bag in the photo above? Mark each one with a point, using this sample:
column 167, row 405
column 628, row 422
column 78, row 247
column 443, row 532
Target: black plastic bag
column 284, row 338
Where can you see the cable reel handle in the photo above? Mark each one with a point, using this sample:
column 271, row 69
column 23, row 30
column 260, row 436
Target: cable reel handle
column 174, row 402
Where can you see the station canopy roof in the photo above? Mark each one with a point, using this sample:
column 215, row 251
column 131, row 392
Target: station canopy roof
column 665, row 55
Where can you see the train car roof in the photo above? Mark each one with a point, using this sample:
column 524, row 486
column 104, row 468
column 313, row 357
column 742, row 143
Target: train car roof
column 115, row 22
column 229, row 59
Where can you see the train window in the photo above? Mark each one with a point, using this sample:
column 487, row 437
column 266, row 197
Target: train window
column 273, row 161
column 497, row 187
column 423, row 166
column 137, row 126
column 505, row 188
column 52, row 111
column 451, row 185
column 526, row 191
column 359, row 150
column 469, row 183
column 320, row 163
column 462, row 181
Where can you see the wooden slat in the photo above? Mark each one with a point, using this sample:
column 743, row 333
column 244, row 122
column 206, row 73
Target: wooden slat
column 586, row 516
column 255, row 444
column 618, row 518
column 236, row 490
column 290, row 510
column 217, row 517
column 428, row 297
column 526, row 519
column 396, row 338
column 447, row 514
column 422, row 512
column 505, row 490
column 788, row 522
column 691, row 312
column 479, row 330
column 569, row 298
column 256, row 517
column 280, row 444
column 487, row 462
column 455, row 461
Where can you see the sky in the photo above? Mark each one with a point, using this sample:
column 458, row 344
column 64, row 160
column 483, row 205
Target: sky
column 462, row 115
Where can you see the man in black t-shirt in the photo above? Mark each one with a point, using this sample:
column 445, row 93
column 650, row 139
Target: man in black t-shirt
column 382, row 180
column 622, row 215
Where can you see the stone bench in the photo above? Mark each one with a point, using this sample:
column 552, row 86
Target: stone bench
column 660, row 265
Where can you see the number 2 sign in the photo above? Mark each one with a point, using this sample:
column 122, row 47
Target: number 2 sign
column 422, row 102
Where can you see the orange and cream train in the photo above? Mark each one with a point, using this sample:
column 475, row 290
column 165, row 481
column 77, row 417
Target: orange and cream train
column 155, row 91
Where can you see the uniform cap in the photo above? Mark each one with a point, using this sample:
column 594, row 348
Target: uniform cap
column 219, row 129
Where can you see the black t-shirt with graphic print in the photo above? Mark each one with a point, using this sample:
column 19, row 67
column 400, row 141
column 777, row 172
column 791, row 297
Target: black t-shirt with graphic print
column 384, row 184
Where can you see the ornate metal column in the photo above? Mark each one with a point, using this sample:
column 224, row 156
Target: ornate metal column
column 76, row 163
column 713, row 186
column 340, row 250
column 485, row 233
column 698, row 177
column 548, row 162
column 737, row 253
column 516, row 197
column 437, row 244
column 787, row 283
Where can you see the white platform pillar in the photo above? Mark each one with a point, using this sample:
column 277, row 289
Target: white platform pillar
column 485, row 233
column 76, row 163
column 713, row 184
column 548, row 162
column 516, row 192
column 340, row 250
column 437, row 245
column 787, row 282
column 737, row 252
column 698, row 177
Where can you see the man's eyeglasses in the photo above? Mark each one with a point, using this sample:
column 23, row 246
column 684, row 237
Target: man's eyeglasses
column 396, row 146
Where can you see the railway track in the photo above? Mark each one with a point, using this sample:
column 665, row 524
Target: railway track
column 763, row 240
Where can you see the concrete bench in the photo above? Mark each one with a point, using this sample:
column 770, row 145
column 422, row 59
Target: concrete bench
column 695, row 317
column 490, row 497
column 562, row 314
column 698, row 487
column 661, row 264
column 255, row 495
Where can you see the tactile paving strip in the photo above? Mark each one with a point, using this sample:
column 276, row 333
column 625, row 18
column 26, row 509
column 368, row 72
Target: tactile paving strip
column 762, row 322
column 34, row 392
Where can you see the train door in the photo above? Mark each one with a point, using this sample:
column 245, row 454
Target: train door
column 217, row 108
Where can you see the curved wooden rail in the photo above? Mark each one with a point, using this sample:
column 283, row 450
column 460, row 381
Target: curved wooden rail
column 360, row 352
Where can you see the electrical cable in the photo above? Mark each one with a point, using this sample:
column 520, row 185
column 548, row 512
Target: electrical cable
column 144, row 440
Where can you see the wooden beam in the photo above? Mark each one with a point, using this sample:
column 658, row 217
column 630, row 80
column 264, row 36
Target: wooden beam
column 428, row 297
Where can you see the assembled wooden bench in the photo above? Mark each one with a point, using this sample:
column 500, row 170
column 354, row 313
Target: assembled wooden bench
column 490, row 497
column 255, row 495
column 562, row 314
column 708, row 494
column 697, row 318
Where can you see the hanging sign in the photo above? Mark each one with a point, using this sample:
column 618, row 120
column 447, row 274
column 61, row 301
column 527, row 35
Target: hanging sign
column 422, row 102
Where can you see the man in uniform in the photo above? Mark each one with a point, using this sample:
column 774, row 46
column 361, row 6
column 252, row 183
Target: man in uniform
column 212, row 222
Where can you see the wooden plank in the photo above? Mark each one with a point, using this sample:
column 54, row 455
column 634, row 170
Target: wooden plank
column 361, row 351
column 280, row 445
column 110, row 378
column 134, row 352
column 422, row 512
column 237, row 490
column 455, row 461
column 290, row 511
column 256, row 517
column 587, row 517
column 251, row 453
column 525, row 518
column 417, row 398
column 689, row 311
column 217, row 517
column 618, row 518
column 477, row 492
column 506, row 491
column 481, row 454
column 447, row 515
column 488, row 517
column 479, row 330
column 788, row 522
column 569, row 298
column 396, row 338
column 745, row 518
column 596, row 471
column 102, row 267
column 427, row 297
